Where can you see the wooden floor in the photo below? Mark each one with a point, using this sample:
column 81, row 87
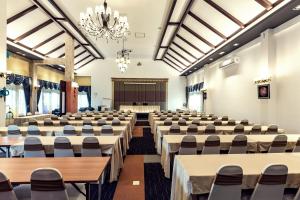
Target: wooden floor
column 133, row 170
column 138, row 131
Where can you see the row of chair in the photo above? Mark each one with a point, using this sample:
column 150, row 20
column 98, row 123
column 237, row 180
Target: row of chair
column 187, row 117
column 211, row 129
column 67, row 130
column 218, row 122
column 188, row 145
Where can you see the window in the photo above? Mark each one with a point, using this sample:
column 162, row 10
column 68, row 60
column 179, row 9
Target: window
column 49, row 100
column 196, row 101
column 15, row 101
column 82, row 100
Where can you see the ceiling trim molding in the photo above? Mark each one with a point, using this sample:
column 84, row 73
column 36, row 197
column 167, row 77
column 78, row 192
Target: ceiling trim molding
column 47, row 40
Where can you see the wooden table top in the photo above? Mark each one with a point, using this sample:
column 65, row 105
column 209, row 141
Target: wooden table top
column 73, row 169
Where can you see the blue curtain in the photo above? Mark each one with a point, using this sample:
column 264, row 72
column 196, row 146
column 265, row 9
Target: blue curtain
column 194, row 88
column 46, row 85
column 86, row 89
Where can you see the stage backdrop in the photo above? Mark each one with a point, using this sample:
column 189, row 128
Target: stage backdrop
column 132, row 91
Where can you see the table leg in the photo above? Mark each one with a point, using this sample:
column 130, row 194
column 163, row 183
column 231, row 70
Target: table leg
column 8, row 151
column 100, row 188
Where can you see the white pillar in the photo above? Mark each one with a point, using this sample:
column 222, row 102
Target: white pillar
column 2, row 57
column 69, row 58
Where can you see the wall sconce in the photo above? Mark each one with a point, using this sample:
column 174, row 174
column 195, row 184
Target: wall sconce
column 4, row 93
column 4, row 74
column 75, row 85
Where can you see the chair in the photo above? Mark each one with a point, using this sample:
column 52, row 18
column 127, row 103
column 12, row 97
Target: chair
column 175, row 118
column 104, row 115
column 211, row 145
column 167, row 122
column 6, row 191
column 194, row 114
column 272, row 129
column 203, row 118
column 78, row 117
column 121, row 118
column 297, row 149
column 210, row 115
column 225, row 118
column 115, row 122
column 175, row 129
column 188, row 145
column 245, row 122
column 33, row 147
column 271, row 183
column 69, row 130
column 228, row 183
column 109, row 118
column 196, row 122
column 47, row 184
column 162, row 118
column 238, row 145
column 256, row 129
column 90, row 147
column 178, row 114
column 231, row 122
column 48, row 122
column 210, row 129
column 63, row 147
column 87, row 130
column 186, row 118
column 169, row 115
column 97, row 117
column 213, row 118
column 279, row 144
column 33, row 130
column 101, row 122
column 125, row 114
column 32, row 122
column 87, row 122
column 64, row 122
column 182, row 122
column 115, row 115
column 239, row 129
column 192, row 129
column 13, row 130
column 54, row 117
column 218, row 122
column 107, row 130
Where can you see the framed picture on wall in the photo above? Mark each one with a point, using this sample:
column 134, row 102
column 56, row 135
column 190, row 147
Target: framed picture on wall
column 263, row 91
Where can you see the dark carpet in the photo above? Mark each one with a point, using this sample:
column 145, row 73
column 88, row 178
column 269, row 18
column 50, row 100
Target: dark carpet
column 161, row 190
column 142, row 145
column 108, row 190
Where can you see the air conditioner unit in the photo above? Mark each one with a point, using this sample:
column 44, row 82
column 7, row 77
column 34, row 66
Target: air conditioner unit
column 230, row 61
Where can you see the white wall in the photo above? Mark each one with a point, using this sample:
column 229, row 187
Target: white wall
column 232, row 91
column 102, row 71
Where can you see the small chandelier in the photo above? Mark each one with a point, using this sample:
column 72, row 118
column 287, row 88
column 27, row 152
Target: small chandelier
column 123, row 59
column 99, row 24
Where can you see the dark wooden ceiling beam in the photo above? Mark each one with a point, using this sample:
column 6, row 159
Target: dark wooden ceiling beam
column 55, row 49
column 47, row 40
column 224, row 12
column 35, row 29
column 197, row 36
column 21, row 14
column 82, row 59
column 25, row 47
column 168, row 59
column 80, row 53
column 265, row 3
column 184, row 58
column 173, row 57
column 189, row 43
column 184, row 50
column 76, row 47
column 171, row 65
column 85, row 63
column 207, row 25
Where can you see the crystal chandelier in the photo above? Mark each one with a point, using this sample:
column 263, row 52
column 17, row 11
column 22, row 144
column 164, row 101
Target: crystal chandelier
column 99, row 24
column 123, row 59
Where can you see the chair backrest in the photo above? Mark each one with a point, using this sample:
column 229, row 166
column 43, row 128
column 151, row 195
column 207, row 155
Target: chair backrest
column 33, row 130
column 33, row 147
column 63, row 147
column 271, row 183
column 204, row 118
column 182, row 122
column 78, row 117
column 87, row 130
column 116, row 122
column 48, row 122
column 175, row 118
column 272, row 129
column 109, row 118
column 231, row 122
column 210, row 129
column 121, row 118
column 169, row 115
column 186, row 118
column 192, row 129
column 196, row 122
column 87, row 122
column 245, row 122
column 32, row 122
column 6, row 189
column 256, row 129
column 69, row 130
column 297, row 148
column 279, row 144
column 54, row 117
column 90, row 147
column 188, row 145
column 13, row 130
column 175, row 129
column 162, row 118
column 97, row 117
column 227, row 183
column 64, row 122
column 167, row 122
column 101, row 122
column 218, row 122
column 47, row 184
column 104, row 115
column 213, row 118
column 225, row 118
column 238, row 145
column 239, row 129
column 211, row 145
column 194, row 114
column 107, row 130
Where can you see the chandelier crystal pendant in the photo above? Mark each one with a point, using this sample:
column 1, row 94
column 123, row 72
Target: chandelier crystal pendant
column 123, row 59
column 101, row 24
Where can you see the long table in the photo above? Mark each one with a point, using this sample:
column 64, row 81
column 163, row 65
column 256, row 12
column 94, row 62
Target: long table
column 255, row 143
column 109, row 144
column 140, row 108
column 222, row 130
column 21, row 120
column 83, row 170
column 195, row 174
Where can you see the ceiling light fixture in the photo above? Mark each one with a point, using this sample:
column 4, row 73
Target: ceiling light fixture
column 211, row 59
column 236, row 44
column 101, row 23
column 123, row 59
column 221, row 53
column 297, row 8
